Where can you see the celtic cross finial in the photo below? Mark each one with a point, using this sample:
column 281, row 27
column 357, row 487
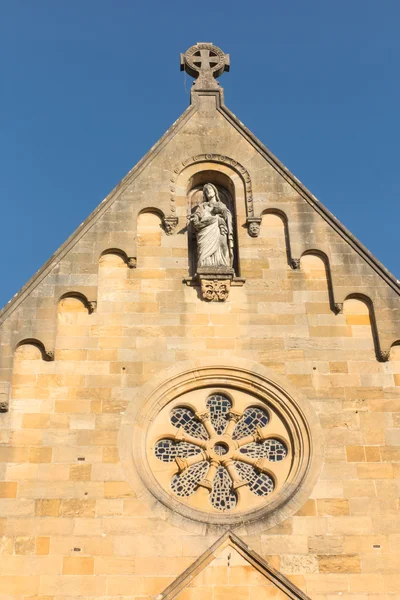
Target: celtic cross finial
column 205, row 62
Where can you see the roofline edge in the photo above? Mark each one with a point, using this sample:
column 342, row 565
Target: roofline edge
column 16, row 300
column 325, row 213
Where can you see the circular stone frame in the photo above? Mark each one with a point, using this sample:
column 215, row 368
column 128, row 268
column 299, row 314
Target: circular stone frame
column 248, row 377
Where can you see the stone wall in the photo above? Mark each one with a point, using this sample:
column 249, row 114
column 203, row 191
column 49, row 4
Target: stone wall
column 71, row 525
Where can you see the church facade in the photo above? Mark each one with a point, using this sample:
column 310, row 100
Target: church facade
column 199, row 391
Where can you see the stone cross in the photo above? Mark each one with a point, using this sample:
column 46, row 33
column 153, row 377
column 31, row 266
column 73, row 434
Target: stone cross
column 205, row 62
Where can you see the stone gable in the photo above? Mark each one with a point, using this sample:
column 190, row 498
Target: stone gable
column 115, row 326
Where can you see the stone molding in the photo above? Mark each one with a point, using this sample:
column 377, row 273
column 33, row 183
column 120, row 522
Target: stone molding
column 248, row 377
column 389, row 337
column 90, row 305
column 216, row 158
column 47, row 355
column 242, row 491
column 252, row 557
column 319, row 208
column 344, row 233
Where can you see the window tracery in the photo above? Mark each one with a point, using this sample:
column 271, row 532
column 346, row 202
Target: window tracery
column 219, row 407
column 186, row 483
column 184, row 417
column 217, row 453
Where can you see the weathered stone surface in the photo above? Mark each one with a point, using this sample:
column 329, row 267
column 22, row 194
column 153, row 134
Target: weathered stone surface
column 113, row 310
column 346, row 563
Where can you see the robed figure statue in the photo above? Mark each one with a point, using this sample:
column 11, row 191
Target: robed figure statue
column 212, row 222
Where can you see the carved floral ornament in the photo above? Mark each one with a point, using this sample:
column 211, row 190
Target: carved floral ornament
column 221, row 446
column 215, row 290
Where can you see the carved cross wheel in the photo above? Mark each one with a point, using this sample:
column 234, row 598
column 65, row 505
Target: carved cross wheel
column 205, row 62
column 223, row 459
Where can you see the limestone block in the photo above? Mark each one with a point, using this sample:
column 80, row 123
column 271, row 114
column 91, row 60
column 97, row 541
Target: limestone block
column 344, row 563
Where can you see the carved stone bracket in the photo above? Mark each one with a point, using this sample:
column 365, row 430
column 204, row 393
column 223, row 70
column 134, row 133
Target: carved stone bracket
column 338, row 308
column 169, row 224
column 92, row 305
column 384, row 355
column 215, row 283
column 295, row 264
column 253, row 226
column 48, row 355
column 215, row 290
column 4, row 396
column 131, row 262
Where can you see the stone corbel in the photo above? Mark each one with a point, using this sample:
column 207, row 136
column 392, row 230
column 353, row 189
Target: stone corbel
column 169, row 224
column 92, row 305
column 295, row 264
column 131, row 262
column 47, row 355
column 338, row 308
column 4, row 396
column 384, row 355
column 215, row 283
column 253, row 226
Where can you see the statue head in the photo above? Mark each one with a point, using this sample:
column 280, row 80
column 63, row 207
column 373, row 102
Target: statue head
column 210, row 193
column 254, row 229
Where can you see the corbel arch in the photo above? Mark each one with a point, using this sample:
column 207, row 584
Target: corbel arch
column 130, row 261
column 152, row 210
column 335, row 308
column 46, row 354
column 393, row 355
column 381, row 355
column 90, row 305
column 285, row 224
column 149, row 225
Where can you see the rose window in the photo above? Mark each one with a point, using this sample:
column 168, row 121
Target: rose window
column 217, row 452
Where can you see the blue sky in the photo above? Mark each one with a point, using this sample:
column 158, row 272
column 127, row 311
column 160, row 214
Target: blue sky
column 89, row 86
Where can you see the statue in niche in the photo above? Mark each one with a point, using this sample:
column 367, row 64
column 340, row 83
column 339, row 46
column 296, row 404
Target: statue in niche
column 212, row 222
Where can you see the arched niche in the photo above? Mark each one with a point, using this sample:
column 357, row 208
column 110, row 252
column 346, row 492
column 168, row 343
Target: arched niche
column 28, row 389
column 27, row 351
column 314, row 268
column 90, row 305
column 194, row 197
column 359, row 316
column 113, row 278
column 394, row 363
column 72, row 327
column 274, row 229
column 149, row 229
column 237, row 172
column 32, row 347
